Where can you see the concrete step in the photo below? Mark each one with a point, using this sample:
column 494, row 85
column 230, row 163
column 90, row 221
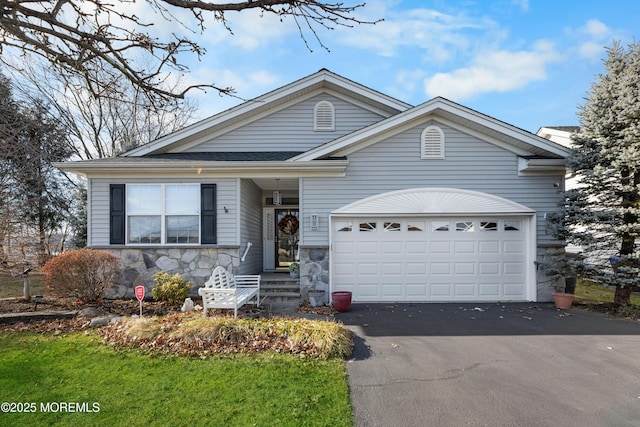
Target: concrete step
column 282, row 291
column 279, row 287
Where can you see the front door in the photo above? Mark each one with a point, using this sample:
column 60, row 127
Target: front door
column 287, row 236
column 281, row 236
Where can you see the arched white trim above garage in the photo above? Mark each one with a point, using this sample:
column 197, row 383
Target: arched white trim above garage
column 434, row 244
column 425, row 201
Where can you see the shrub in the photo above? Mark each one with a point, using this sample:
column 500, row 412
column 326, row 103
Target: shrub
column 84, row 274
column 169, row 288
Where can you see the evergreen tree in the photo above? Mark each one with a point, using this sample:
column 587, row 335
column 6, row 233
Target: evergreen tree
column 603, row 213
column 35, row 194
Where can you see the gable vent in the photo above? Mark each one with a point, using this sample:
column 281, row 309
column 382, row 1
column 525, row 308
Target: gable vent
column 324, row 116
column 432, row 143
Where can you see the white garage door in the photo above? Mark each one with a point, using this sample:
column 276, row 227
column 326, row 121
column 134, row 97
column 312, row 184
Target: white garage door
column 434, row 244
column 430, row 259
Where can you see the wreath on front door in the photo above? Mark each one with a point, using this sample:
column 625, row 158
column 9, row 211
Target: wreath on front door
column 288, row 224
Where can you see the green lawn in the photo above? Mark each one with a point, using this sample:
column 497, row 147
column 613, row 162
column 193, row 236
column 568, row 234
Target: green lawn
column 135, row 389
column 11, row 287
column 589, row 292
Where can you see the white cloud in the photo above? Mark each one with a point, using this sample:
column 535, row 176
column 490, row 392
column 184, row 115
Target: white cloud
column 253, row 30
column 493, row 71
column 406, row 84
column 438, row 35
column 596, row 29
column 522, row 4
column 591, row 39
column 246, row 84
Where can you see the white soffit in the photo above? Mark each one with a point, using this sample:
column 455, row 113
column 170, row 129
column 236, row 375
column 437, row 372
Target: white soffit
column 432, row 201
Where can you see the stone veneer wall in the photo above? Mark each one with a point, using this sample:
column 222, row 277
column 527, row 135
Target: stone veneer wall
column 193, row 264
column 314, row 262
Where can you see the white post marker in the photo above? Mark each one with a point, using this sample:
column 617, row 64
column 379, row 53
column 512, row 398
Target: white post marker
column 140, row 296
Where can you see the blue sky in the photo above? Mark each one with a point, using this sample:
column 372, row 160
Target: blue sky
column 529, row 63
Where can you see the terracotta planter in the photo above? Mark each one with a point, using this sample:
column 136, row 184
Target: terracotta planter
column 341, row 300
column 562, row 300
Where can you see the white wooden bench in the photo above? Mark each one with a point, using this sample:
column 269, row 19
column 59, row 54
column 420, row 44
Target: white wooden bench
column 226, row 291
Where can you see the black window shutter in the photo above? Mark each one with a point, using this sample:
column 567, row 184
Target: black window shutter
column 117, row 217
column 208, row 226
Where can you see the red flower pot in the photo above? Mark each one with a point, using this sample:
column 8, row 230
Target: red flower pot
column 341, row 300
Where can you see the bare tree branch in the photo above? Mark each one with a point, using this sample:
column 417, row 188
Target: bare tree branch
column 81, row 37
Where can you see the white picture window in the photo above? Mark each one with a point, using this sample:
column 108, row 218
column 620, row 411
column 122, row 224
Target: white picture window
column 432, row 143
column 163, row 213
column 324, row 117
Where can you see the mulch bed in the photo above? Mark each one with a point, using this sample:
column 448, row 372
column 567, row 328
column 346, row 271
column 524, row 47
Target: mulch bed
column 118, row 307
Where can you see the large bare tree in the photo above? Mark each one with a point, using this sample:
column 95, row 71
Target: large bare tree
column 89, row 38
column 99, row 127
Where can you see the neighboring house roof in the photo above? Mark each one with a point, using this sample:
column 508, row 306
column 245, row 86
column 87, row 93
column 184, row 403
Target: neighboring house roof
column 559, row 134
column 487, row 128
column 321, row 82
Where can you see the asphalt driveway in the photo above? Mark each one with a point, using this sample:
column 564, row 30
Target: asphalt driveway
column 509, row 364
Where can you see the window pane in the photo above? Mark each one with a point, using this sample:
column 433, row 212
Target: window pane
column 465, row 226
column 392, row 226
column 511, row 225
column 182, row 199
column 416, row 226
column 183, row 229
column 488, row 226
column 367, row 226
column 440, row 226
column 144, row 229
column 344, row 226
column 144, row 199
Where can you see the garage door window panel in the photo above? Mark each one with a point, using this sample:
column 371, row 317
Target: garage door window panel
column 440, row 226
column 368, row 226
column 464, row 226
column 512, row 225
column 344, row 226
column 488, row 225
column 416, row 226
column 392, row 226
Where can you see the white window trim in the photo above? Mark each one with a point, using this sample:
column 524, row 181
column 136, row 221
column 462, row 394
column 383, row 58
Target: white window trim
column 319, row 126
column 163, row 217
column 432, row 147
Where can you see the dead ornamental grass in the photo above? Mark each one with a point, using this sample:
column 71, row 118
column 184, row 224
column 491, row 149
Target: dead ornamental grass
column 193, row 335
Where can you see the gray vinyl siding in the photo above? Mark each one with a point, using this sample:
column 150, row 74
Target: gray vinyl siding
column 99, row 215
column 395, row 164
column 291, row 129
column 250, row 226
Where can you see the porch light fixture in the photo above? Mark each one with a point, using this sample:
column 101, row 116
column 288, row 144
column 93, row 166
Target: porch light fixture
column 277, row 198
